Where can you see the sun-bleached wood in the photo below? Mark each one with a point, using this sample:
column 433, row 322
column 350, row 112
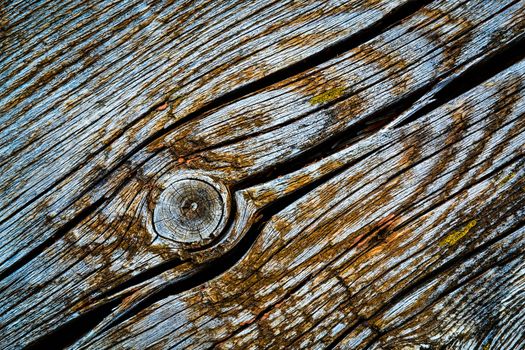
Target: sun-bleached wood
column 262, row 175
column 371, row 235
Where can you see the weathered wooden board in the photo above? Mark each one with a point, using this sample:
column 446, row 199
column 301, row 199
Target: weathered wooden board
column 346, row 174
column 112, row 87
column 365, row 236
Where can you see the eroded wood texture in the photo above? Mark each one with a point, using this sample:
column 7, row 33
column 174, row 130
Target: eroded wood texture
column 265, row 174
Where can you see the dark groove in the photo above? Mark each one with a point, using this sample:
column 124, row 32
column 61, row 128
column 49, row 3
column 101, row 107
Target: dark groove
column 66, row 335
column 433, row 274
column 323, row 149
column 320, row 57
column 46, row 190
column 456, row 261
column 83, row 214
column 324, row 55
column 488, row 67
column 364, row 128
column 375, row 121
column 77, row 219
column 151, row 273
column 211, row 270
column 375, row 339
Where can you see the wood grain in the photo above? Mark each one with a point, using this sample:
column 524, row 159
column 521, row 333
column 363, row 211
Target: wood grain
column 113, row 83
column 191, row 209
column 341, row 174
column 371, row 247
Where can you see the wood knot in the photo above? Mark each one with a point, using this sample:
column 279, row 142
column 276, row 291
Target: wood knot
column 191, row 210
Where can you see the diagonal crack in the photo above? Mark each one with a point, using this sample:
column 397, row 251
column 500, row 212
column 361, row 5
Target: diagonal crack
column 320, row 57
column 455, row 87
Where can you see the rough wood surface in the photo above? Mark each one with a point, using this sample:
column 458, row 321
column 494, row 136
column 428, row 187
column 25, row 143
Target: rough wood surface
column 191, row 210
column 265, row 174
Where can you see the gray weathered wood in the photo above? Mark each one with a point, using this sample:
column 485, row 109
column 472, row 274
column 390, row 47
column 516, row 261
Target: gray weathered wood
column 342, row 253
column 262, row 174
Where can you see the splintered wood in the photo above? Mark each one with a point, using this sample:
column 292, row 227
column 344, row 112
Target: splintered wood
column 262, row 175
